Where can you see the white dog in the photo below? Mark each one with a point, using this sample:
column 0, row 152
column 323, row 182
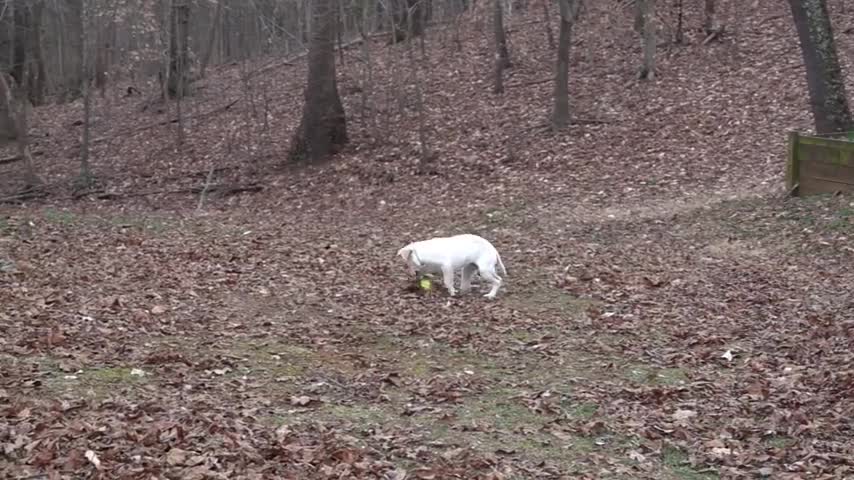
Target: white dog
column 470, row 253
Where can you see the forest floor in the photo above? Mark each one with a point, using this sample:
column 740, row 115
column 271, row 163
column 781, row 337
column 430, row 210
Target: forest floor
column 668, row 311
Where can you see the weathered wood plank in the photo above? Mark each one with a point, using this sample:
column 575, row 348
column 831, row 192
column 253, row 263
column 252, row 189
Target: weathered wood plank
column 839, row 144
column 837, row 173
column 825, row 154
column 814, row 186
column 819, row 165
column 792, row 167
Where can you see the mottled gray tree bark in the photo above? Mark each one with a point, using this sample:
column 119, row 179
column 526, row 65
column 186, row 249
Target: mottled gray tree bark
column 502, row 56
column 648, row 39
column 323, row 127
column 178, row 79
column 825, row 81
column 569, row 10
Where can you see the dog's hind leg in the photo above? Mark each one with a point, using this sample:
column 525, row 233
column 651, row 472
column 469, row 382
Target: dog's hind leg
column 448, row 279
column 468, row 273
column 490, row 276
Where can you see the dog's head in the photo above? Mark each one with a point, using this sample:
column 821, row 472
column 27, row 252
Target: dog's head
column 408, row 255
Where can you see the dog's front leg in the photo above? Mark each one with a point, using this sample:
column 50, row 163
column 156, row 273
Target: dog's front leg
column 448, row 279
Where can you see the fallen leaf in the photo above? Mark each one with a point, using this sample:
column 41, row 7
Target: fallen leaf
column 681, row 415
column 92, row 457
column 396, row 474
column 176, row 456
column 300, row 400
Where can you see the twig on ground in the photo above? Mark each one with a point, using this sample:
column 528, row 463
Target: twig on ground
column 223, row 189
column 205, row 190
column 11, row 159
column 528, row 84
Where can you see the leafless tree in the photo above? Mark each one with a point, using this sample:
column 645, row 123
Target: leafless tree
column 209, row 47
column 323, row 127
column 569, row 10
column 710, row 21
column 648, row 38
column 178, row 78
column 825, row 81
column 547, row 20
column 18, row 112
column 405, row 13
column 426, row 155
column 85, row 179
column 502, row 56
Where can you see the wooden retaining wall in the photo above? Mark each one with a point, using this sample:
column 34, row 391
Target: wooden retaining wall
column 819, row 165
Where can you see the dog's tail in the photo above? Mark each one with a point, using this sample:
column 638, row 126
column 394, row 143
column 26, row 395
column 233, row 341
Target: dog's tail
column 501, row 264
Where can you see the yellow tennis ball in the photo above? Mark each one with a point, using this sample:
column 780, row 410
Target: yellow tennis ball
column 425, row 284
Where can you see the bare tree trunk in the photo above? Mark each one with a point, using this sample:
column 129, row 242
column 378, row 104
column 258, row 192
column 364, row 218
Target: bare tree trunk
column 547, row 19
column 825, row 81
column 498, row 84
column 710, row 24
column 323, row 127
column 16, row 89
column 13, row 32
column 85, row 179
column 406, row 16
column 678, row 38
column 339, row 16
column 309, row 21
column 100, row 73
column 502, row 57
column 647, row 8
column 178, row 80
column 426, row 156
column 206, row 57
column 500, row 35
column 456, row 35
column 18, row 114
column 568, row 14
column 37, row 75
column 368, row 81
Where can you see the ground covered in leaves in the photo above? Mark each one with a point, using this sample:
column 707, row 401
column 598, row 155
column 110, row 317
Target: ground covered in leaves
column 668, row 313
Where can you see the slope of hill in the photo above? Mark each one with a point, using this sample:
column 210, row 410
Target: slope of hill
column 668, row 313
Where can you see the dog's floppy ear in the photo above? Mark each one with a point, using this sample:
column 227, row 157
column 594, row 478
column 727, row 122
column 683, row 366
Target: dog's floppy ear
column 408, row 254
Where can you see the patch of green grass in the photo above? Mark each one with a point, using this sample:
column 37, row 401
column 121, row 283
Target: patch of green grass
column 280, row 360
column 372, row 415
column 656, row 376
column 150, row 224
column 154, row 225
column 549, row 299
column 503, row 422
column 499, row 410
column 5, row 228
column 506, row 214
column 94, row 382
column 582, row 410
column 111, row 375
column 779, row 441
column 842, row 220
column 424, row 361
column 60, row 217
column 677, row 464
